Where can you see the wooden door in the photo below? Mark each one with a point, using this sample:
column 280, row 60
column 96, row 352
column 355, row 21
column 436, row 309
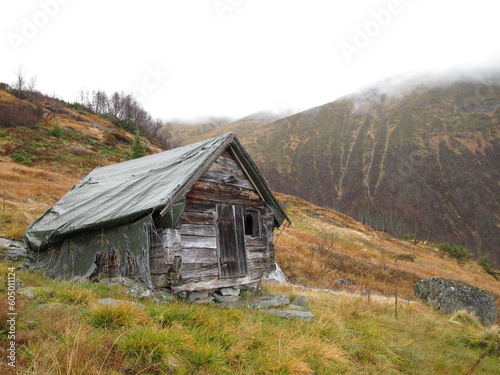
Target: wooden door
column 231, row 241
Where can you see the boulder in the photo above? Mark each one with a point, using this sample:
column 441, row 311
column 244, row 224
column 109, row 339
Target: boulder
column 450, row 296
column 300, row 301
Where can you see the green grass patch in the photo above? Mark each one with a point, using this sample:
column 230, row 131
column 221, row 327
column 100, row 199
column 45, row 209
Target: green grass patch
column 116, row 316
column 22, row 157
column 56, row 131
column 68, row 331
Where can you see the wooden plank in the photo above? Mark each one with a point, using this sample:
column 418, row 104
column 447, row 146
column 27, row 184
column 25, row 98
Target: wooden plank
column 208, row 191
column 205, row 230
column 199, row 270
column 160, row 268
column 256, row 255
column 156, row 252
column 172, row 244
column 195, row 214
column 194, row 242
column 199, row 256
column 253, row 243
column 258, row 263
column 225, row 162
column 226, row 165
column 211, row 191
column 227, row 178
column 216, row 283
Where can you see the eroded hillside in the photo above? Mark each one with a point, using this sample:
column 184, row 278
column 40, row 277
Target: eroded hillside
column 421, row 163
column 424, row 163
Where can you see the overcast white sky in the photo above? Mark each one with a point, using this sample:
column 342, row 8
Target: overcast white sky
column 184, row 59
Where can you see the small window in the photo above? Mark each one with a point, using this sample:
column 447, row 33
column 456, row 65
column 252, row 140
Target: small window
column 252, row 223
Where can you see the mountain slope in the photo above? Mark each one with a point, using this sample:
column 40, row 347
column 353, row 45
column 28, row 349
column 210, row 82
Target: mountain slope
column 422, row 162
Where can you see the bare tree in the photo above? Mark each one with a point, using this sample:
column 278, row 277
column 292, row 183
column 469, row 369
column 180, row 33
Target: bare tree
column 128, row 113
column 100, row 102
column 23, row 86
column 116, row 104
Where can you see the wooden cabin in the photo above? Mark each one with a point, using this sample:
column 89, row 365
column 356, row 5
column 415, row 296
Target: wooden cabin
column 199, row 217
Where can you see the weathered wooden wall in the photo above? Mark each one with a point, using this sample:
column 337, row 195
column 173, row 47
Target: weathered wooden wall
column 187, row 260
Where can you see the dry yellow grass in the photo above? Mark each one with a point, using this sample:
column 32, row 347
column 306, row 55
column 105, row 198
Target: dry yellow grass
column 26, row 193
column 362, row 255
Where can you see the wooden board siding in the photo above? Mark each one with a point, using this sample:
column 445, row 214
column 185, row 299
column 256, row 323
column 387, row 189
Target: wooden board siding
column 197, row 253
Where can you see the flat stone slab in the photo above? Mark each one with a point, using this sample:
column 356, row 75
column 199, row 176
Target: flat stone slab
column 300, row 301
column 259, row 302
column 306, row 316
column 234, row 292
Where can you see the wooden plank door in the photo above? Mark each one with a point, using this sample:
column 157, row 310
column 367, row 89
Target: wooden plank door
column 231, row 241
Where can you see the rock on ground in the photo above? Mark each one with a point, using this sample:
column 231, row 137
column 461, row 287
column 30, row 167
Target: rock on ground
column 13, row 251
column 450, row 296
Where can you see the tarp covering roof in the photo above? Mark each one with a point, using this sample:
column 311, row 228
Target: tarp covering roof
column 124, row 192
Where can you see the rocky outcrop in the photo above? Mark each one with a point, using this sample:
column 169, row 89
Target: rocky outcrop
column 450, row 296
column 12, row 251
column 274, row 274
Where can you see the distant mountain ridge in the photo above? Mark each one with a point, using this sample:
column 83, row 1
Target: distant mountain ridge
column 425, row 162
column 419, row 160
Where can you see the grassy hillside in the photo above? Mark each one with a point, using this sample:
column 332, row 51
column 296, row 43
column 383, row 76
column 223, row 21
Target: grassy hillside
column 62, row 328
column 42, row 157
column 324, row 249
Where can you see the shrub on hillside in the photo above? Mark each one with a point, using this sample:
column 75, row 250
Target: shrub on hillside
column 14, row 115
column 488, row 265
column 456, row 251
column 56, row 131
column 138, row 149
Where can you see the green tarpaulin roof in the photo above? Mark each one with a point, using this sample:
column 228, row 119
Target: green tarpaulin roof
column 124, row 192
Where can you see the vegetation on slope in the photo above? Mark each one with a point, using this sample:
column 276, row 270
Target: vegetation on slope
column 62, row 328
column 44, row 154
column 326, row 249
